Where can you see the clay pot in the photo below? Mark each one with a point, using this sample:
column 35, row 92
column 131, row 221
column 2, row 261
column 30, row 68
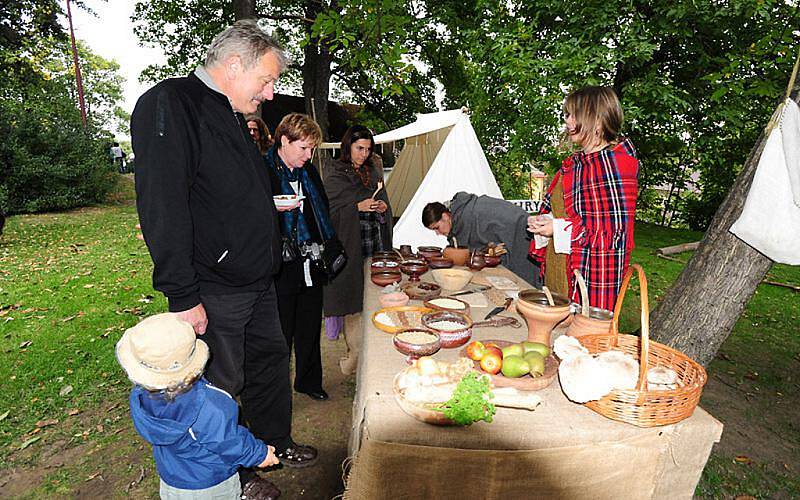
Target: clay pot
column 476, row 261
column 492, row 260
column 415, row 351
column 414, row 269
column 583, row 325
column 384, row 254
column 383, row 278
column 459, row 255
column 393, row 299
column 540, row 315
column 405, row 250
column 440, row 263
column 429, row 252
column 450, row 338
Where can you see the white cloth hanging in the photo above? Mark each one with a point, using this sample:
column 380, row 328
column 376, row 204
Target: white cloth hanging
column 770, row 219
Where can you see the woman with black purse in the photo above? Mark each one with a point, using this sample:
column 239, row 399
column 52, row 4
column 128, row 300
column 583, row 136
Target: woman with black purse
column 305, row 228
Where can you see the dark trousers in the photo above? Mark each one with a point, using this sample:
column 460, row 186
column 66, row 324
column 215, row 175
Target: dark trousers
column 301, row 322
column 250, row 359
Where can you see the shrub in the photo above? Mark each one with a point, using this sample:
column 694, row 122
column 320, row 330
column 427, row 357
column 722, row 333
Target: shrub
column 48, row 161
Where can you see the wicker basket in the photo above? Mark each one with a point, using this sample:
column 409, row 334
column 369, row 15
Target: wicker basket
column 640, row 406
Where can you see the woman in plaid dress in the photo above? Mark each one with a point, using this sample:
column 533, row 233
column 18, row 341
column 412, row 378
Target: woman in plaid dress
column 588, row 215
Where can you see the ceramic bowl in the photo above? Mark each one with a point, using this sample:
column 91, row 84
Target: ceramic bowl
column 492, row 260
column 452, row 279
column 393, row 299
column 416, row 349
column 383, row 278
column 459, row 255
column 440, row 263
column 384, row 265
column 450, row 337
column 414, row 269
column 286, row 200
column 429, row 252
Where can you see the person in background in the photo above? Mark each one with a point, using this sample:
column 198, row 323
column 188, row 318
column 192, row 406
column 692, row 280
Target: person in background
column 259, row 132
column 474, row 221
column 192, row 425
column 362, row 220
column 205, row 206
column 301, row 281
column 588, row 215
column 119, row 157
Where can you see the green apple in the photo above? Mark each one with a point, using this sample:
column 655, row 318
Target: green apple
column 513, row 350
column 514, row 366
column 535, row 363
column 537, row 347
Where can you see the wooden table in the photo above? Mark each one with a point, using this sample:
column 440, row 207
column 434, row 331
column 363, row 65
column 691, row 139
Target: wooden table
column 561, row 450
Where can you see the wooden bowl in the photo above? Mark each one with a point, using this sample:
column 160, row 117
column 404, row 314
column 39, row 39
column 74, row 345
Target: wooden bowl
column 420, row 413
column 410, row 317
column 459, row 306
column 422, row 290
column 526, row 382
column 449, row 338
column 452, row 279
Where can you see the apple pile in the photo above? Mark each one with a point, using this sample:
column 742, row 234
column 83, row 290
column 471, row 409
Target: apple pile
column 514, row 361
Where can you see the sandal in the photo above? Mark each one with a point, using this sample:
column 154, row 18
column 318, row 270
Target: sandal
column 298, row 456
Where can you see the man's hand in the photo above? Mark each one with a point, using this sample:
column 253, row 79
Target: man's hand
column 196, row 317
column 366, row 205
column 270, row 459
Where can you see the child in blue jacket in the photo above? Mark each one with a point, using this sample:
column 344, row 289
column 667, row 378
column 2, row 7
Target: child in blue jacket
column 197, row 444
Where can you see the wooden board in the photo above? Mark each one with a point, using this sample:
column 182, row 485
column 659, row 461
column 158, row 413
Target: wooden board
column 526, row 382
column 410, row 317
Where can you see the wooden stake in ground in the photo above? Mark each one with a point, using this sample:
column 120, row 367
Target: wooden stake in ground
column 699, row 311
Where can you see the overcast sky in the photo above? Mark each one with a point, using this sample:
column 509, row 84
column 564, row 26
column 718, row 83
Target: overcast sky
column 110, row 35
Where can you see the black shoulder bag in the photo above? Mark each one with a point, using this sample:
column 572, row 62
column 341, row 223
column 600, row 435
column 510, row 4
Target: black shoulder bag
column 334, row 258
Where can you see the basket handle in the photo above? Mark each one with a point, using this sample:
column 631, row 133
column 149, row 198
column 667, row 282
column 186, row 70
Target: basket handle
column 584, row 293
column 645, row 336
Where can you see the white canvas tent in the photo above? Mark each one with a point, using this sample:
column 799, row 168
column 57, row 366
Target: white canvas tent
column 441, row 157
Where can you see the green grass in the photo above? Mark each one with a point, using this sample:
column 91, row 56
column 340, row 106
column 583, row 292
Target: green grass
column 71, row 283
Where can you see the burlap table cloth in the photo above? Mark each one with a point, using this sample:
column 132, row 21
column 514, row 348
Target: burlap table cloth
column 561, row 450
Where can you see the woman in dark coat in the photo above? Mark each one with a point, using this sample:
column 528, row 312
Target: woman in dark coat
column 299, row 283
column 364, row 226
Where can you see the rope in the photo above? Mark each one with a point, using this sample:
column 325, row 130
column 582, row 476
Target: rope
column 794, row 75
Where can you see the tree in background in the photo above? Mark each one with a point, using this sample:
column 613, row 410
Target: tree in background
column 365, row 48
column 48, row 160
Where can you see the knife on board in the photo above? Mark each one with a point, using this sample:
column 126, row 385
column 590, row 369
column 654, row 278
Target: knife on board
column 481, row 288
column 499, row 309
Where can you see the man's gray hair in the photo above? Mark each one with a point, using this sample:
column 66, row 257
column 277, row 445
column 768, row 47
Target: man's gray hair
column 246, row 40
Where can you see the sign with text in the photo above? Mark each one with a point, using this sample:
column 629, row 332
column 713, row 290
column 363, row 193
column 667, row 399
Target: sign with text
column 530, row 206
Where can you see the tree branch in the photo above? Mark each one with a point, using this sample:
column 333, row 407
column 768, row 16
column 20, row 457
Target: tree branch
column 287, row 17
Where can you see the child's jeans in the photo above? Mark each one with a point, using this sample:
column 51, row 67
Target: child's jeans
column 229, row 489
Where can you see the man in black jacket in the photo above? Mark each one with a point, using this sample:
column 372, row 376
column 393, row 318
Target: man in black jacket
column 206, row 211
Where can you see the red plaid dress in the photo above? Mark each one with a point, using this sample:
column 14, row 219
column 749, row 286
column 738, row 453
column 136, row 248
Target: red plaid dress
column 600, row 192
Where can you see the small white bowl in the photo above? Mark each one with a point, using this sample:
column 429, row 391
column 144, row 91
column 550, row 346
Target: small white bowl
column 286, row 200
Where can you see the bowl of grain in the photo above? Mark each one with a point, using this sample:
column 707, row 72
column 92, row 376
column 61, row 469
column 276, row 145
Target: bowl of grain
column 416, row 342
column 454, row 328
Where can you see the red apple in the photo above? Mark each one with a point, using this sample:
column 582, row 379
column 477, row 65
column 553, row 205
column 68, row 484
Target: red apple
column 475, row 350
column 492, row 362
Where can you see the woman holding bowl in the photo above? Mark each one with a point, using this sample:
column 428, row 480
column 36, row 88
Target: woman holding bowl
column 362, row 218
column 307, row 222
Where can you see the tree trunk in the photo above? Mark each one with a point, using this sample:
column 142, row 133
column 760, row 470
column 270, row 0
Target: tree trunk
column 244, row 9
column 699, row 311
column 317, row 73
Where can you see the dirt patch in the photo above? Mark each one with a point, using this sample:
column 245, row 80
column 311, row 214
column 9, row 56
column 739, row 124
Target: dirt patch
column 118, row 464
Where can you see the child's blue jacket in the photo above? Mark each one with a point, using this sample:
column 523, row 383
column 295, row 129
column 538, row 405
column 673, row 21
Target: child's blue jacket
column 197, row 442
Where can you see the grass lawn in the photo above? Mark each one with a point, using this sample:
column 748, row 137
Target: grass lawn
column 71, row 283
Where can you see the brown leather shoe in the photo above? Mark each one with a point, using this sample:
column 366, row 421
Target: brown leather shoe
column 259, row 488
column 298, row 456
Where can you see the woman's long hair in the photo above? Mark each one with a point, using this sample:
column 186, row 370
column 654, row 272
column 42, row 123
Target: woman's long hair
column 598, row 115
column 354, row 134
column 264, row 141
